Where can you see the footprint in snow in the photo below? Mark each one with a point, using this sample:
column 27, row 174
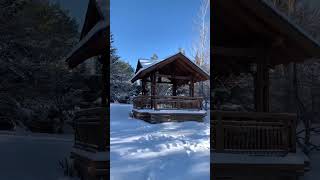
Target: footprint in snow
column 168, row 146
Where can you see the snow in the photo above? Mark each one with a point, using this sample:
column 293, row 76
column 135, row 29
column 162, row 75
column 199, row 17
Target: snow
column 171, row 150
column 147, row 62
column 100, row 26
column 33, row 156
column 95, row 156
column 314, row 157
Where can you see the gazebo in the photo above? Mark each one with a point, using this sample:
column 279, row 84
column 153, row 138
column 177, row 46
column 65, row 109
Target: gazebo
column 176, row 70
column 91, row 144
column 252, row 37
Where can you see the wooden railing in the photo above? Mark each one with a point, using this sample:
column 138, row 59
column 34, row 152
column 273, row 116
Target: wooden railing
column 167, row 102
column 88, row 127
column 252, row 132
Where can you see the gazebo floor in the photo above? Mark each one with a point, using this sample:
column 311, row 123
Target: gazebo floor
column 159, row 116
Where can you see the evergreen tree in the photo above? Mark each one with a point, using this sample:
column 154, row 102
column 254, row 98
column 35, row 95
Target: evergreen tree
column 121, row 89
column 35, row 37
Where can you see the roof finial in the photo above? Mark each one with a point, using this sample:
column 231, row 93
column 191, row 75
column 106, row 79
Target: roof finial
column 154, row 57
column 181, row 50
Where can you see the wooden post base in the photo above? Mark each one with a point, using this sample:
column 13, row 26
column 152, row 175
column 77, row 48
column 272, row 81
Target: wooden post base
column 91, row 165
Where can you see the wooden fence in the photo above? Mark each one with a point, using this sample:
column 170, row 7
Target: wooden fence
column 252, row 131
column 167, row 102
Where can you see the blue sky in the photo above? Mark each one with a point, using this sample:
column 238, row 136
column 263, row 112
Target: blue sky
column 143, row 27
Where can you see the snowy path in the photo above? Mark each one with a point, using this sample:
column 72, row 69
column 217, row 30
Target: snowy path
column 170, row 151
column 33, row 157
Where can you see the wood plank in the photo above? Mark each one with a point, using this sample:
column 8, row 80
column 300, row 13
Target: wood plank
column 175, row 77
column 240, row 52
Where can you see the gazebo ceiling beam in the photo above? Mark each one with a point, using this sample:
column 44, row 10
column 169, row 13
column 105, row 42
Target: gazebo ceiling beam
column 175, row 77
column 240, row 52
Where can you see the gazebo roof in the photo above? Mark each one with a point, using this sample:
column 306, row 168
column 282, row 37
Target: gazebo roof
column 93, row 38
column 178, row 64
column 249, row 31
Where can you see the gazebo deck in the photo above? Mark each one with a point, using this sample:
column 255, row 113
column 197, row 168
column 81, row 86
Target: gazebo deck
column 168, row 108
column 159, row 116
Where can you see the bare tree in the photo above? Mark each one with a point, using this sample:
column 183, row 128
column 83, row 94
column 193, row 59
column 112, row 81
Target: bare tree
column 308, row 18
column 201, row 46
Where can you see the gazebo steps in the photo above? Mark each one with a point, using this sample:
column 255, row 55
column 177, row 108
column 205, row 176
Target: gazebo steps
column 159, row 116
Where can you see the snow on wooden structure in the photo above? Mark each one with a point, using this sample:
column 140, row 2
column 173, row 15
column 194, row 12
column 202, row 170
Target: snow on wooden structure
column 177, row 70
column 250, row 34
column 91, row 147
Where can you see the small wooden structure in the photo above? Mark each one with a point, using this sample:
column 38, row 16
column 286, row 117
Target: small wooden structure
column 177, row 70
column 91, row 146
column 252, row 36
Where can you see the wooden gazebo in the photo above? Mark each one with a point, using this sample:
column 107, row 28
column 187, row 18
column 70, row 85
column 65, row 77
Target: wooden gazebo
column 91, row 147
column 177, row 70
column 252, row 36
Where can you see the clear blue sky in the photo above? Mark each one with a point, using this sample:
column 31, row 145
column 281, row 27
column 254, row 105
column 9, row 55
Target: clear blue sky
column 143, row 27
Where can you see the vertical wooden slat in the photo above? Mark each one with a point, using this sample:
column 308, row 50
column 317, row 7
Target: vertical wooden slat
column 219, row 134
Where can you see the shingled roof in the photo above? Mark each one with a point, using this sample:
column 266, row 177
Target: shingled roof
column 179, row 63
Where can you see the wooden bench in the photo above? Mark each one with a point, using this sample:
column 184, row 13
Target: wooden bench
column 255, row 144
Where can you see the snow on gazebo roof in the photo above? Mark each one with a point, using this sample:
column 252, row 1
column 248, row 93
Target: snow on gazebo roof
column 148, row 66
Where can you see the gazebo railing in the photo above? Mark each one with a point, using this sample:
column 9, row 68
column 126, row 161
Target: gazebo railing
column 88, row 129
column 167, row 102
column 252, row 132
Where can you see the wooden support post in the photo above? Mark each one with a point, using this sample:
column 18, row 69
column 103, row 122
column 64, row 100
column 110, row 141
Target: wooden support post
column 266, row 85
column 153, row 90
column 143, row 84
column 105, row 105
column 219, row 134
column 174, row 87
column 261, row 81
column 191, row 88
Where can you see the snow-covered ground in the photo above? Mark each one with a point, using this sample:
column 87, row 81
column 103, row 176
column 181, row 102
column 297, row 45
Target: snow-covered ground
column 33, row 156
column 171, row 151
column 314, row 157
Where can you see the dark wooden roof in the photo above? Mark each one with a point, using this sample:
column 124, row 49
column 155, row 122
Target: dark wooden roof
column 94, row 34
column 251, row 31
column 144, row 63
column 177, row 65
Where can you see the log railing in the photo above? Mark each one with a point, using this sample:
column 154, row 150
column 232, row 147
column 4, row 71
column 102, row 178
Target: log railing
column 252, row 132
column 167, row 102
column 88, row 129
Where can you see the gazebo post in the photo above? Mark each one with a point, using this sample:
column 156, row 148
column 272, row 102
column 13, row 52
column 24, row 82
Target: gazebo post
column 104, row 104
column 261, row 83
column 191, row 88
column 143, row 86
column 174, row 87
column 153, row 90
